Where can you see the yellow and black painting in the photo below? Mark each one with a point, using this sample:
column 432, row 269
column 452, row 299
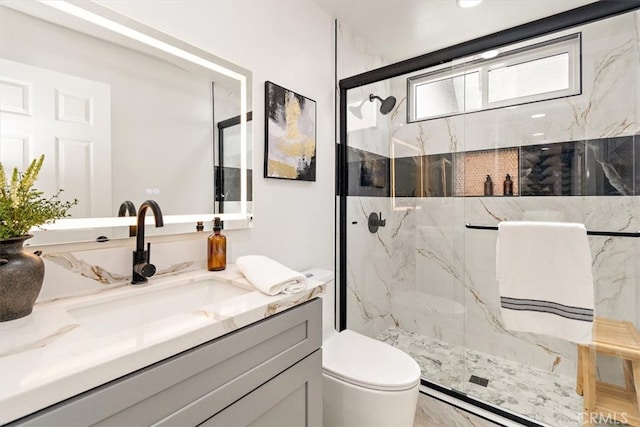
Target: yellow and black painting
column 290, row 146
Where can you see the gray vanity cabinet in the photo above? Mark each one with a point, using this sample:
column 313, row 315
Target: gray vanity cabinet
column 265, row 374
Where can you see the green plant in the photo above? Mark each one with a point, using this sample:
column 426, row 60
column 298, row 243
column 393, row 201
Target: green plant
column 23, row 207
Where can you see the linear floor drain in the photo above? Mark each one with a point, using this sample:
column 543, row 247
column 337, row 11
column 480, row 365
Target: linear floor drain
column 479, row 380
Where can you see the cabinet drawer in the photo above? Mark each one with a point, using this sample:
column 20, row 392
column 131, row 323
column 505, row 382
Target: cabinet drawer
column 292, row 399
column 231, row 365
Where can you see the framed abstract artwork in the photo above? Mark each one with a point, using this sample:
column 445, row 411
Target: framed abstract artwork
column 290, row 135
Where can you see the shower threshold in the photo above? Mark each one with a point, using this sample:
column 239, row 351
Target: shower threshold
column 546, row 397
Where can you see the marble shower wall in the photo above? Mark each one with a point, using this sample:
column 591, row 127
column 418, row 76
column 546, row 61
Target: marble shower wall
column 424, row 272
column 424, row 251
column 367, row 129
column 607, row 107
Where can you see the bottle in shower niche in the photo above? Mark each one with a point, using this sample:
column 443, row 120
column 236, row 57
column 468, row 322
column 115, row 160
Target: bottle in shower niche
column 216, row 248
column 507, row 186
column 488, row 186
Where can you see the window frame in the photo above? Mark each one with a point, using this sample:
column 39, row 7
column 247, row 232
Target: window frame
column 508, row 56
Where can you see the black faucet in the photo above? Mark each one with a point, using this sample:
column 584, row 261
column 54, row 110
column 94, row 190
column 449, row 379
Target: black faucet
column 142, row 267
column 128, row 208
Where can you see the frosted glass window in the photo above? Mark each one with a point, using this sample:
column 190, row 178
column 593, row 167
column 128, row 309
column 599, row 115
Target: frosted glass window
column 448, row 96
column 519, row 74
column 535, row 77
column 473, row 92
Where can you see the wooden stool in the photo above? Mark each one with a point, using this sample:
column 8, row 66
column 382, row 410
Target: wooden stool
column 615, row 338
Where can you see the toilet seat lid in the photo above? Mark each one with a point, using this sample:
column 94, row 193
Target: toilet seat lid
column 366, row 362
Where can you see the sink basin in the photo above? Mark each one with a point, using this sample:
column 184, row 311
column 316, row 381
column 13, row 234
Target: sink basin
column 150, row 305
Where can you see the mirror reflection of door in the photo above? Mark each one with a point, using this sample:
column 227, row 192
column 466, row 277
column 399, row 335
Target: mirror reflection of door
column 227, row 169
column 66, row 118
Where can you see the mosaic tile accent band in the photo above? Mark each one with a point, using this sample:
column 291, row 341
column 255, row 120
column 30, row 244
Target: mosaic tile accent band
column 473, row 168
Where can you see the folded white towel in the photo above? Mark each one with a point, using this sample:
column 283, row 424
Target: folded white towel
column 270, row 276
column 544, row 279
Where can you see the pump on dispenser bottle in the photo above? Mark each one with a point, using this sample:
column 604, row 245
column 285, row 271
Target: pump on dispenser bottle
column 216, row 248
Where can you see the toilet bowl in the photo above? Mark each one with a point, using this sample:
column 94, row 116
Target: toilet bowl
column 367, row 382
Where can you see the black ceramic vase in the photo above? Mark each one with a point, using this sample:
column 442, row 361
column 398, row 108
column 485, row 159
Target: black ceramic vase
column 21, row 276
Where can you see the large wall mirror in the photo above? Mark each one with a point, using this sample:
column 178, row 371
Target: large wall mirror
column 123, row 113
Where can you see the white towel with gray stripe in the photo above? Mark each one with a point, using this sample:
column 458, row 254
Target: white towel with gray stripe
column 544, row 279
column 269, row 276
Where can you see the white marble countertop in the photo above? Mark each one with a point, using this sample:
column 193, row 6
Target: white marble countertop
column 49, row 355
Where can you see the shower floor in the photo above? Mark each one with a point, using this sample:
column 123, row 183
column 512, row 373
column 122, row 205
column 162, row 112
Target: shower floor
column 543, row 396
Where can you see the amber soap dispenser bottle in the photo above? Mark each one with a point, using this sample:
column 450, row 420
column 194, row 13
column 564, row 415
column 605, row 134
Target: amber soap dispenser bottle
column 216, row 248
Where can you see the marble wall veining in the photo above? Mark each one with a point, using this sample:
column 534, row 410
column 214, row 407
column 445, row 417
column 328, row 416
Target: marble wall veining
column 85, row 272
column 427, row 249
column 424, row 253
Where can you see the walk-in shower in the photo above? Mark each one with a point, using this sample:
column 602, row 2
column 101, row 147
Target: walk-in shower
column 425, row 282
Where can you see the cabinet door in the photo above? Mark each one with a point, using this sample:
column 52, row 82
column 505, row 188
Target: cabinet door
column 291, row 399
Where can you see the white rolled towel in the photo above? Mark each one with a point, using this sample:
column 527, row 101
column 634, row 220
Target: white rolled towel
column 269, row 276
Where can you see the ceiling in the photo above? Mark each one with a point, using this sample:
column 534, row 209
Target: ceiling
column 401, row 29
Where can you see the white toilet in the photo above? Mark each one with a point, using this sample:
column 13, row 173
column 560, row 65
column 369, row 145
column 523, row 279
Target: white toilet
column 365, row 382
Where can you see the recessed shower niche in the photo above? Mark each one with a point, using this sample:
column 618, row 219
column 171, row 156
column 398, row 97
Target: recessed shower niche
column 473, row 169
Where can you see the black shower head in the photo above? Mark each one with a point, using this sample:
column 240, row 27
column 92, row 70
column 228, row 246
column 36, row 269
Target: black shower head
column 386, row 105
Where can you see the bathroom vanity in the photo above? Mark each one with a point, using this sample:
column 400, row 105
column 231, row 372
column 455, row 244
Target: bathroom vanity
column 248, row 358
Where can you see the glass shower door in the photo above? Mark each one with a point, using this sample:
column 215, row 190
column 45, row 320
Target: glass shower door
column 404, row 278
